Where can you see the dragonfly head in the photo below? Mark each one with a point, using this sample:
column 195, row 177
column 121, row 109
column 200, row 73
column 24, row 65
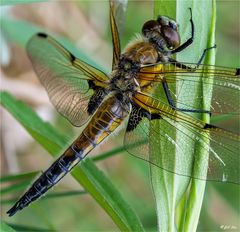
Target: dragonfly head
column 163, row 31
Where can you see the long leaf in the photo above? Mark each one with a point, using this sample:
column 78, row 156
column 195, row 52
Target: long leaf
column 168, row 188
column 5, row 228
column 205, row 37
column 15, row 2
column 50, row 195
column 87, row 174
column 18, row 177
column 27, row 228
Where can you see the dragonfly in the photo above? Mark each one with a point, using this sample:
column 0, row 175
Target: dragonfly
column 130, row 94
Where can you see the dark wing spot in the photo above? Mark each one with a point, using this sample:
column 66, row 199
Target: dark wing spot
column 72, row 57
column 43, row 35
column 92, row 85
column 209, row 126
column 237, row 72
column 155, row 116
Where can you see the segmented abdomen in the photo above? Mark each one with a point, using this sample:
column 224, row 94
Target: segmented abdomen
column 109, row 116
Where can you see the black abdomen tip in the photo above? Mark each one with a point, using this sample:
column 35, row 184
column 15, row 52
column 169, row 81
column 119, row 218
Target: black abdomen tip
column 14, row 209
column 43, row 35
column 19, row 205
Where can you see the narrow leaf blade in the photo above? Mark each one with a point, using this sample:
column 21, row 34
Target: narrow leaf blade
column 87, row 174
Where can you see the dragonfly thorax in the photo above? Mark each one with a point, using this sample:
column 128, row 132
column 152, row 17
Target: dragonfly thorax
column 124, row 77
column 124, row 82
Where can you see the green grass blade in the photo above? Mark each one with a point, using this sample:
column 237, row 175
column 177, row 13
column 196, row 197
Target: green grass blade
column 11, row 30
column 222, row 117
column 167, row 187
column 5, row 228
column 173, row 203
column 50, row 195
column 15, row 187
column 65, row 194
column 26, row 228
column 87, row 174
column 108, row 154
column 18, row 177
column 115, row 151
column 206, row 11
column 41, row 131
column 15, row 2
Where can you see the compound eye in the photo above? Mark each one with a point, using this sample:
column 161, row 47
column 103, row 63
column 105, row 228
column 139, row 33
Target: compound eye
column 171, row 36
column 150, row 26
column 173, row 25
column 162, row 20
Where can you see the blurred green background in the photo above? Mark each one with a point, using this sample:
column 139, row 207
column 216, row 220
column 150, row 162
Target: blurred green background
column 86, row 25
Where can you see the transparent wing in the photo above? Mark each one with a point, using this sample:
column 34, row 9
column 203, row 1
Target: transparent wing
column 69, row 81
column 115, row 36
column 117, row 22
column 184, row 83
column 176, row 137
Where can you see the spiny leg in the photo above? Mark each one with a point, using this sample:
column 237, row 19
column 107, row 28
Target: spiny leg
column 189, row 41
column 192, row 69
column 173, row 105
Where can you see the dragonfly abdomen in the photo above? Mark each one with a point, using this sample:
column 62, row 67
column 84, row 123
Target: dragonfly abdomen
column 48, row 179
column 108, row 117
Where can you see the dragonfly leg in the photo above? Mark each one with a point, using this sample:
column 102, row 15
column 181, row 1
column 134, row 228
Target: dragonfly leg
column 173, row 105
column 189, row 41
column 193, row 68
column 204, row 54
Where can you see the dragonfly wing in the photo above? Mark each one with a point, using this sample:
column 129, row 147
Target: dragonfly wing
column 179, row 135
column 115, row 36
column 70, row 83
column 186, row 83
